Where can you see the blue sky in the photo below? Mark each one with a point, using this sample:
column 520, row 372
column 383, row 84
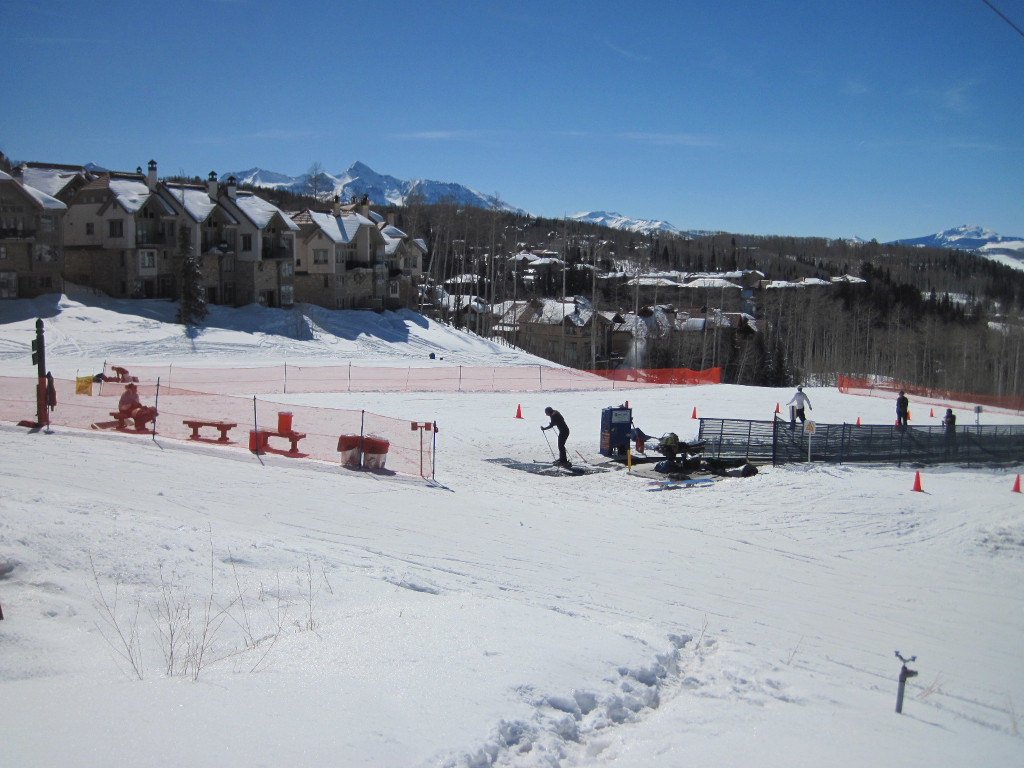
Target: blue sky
column 872, row 118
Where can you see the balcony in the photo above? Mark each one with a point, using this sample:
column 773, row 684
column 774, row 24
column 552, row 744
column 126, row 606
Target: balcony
column 217, row 247
column 144, row 237
column 17, row 233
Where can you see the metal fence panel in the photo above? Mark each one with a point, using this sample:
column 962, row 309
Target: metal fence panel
column 781, row 442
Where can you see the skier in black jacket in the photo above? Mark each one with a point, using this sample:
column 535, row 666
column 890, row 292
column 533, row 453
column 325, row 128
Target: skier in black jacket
column 558, row 422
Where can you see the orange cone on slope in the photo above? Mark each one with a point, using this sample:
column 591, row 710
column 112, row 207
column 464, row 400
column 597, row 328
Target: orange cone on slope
column 694, row 416
column 777, row 408
column 917, row 482
column 519, row 411
column 1016, row 485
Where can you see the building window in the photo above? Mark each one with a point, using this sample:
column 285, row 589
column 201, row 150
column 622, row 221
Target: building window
column 287, row 295
column 115, row 228
column 319, row 255
column 228, row 265
column 246, row 243
column 327, row 281
column 90, row 228
column 147, row 259
column 287, row 269
column 3, row 251
column 46, row 223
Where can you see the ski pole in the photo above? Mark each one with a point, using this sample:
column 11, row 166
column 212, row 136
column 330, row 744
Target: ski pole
column 545, row 433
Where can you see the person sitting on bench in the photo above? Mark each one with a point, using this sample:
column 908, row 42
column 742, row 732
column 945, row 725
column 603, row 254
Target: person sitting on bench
column 129, row 405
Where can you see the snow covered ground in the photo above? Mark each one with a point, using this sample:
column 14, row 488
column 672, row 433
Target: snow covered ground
column 168, row 604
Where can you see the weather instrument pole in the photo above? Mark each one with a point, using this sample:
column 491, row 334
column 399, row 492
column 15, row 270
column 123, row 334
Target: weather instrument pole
column 905, row 674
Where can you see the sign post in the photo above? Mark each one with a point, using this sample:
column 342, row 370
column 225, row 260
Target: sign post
column 422, row 426
column 809, row 431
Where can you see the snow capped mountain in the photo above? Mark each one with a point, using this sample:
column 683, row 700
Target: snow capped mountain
column 984, row 242
column 258, row 177
column 618, row 221
column 359, row 179
column 968, row 237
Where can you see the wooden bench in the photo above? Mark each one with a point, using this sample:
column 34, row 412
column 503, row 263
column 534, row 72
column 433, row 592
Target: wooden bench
column 262, row 441
column 122, row 422
column 223, row 426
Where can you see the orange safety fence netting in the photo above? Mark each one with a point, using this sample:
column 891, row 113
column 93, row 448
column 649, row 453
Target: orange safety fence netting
column 295, row 379
column 868, row 386
column 409, row 445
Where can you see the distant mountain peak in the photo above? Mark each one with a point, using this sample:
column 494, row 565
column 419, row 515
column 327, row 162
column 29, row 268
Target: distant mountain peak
column 618, row 221
column 967, row 237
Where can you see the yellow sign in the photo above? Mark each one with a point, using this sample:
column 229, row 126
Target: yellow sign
column 808, row 427
column 83, row 385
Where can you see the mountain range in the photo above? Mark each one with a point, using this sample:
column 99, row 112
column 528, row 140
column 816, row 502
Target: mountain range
column 381, row 189
column 359, row 180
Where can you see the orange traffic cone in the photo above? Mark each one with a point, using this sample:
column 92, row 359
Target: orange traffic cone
column 858, row 421
column 519, row 411
column 1016, row 485
column 917, row 482
column 932, row 413
column 694, row 416
column 777, row 408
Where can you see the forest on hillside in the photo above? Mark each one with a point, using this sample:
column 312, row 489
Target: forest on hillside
column 937, row 318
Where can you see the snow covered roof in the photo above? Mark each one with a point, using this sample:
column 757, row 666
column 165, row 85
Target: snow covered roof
column 50, row 180
column 711, row 282
column 45, row 201
column 343, row 228
column 848, row 279
column 467, row 277
column 129, row 193
column 195, row 200
column 654, row 282
column 260, row 212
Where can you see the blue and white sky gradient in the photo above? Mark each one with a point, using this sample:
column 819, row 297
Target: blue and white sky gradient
column 867, row 118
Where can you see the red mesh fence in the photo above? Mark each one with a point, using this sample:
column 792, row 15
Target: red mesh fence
column 209, row 397
column 676, row 377
column 284, row 379
column 870, row 386
column 377, row 442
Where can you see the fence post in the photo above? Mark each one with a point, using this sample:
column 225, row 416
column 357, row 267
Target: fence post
column 156, row 402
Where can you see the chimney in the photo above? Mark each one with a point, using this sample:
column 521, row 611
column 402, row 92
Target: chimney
column 232, row 189
column 391, row 218
column 211, row 185
column 336, row 208
column 151, row 176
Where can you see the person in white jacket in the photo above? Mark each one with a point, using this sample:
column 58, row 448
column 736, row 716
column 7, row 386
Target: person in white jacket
column 800, row 400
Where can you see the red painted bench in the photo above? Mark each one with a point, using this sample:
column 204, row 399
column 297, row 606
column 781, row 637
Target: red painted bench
column 223, row 426
column 260, row 441
column 124, row 418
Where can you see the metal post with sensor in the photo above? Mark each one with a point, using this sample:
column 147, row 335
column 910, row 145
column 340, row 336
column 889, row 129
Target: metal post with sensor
column 905, row 674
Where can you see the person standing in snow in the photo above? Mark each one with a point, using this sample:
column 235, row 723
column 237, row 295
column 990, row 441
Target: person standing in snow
column 949, row 422
column 902, row 410
column 558, row 421
column 800, row 400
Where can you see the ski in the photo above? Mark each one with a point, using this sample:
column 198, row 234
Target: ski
column 672, row 485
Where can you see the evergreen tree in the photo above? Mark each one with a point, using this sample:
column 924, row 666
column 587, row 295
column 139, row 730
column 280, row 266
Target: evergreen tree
column 192, row 309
